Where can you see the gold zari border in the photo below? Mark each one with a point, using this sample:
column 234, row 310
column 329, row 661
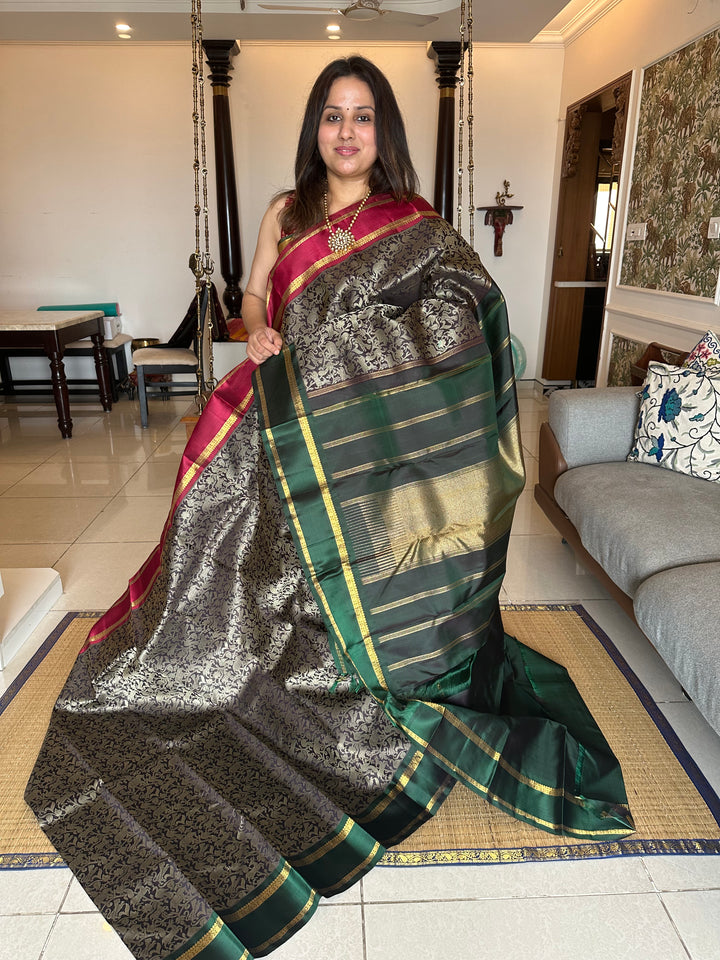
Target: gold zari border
column 261, row 897
column 203, row 942
column 280, row 935
column 327, row 846
column 334, row 521
column 396, row 789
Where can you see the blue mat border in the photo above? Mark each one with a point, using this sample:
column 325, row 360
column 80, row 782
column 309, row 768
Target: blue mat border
column 37, row 658
column 696, row 776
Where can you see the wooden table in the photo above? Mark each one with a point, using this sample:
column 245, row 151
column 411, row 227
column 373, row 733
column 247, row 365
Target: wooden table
column 52, row 330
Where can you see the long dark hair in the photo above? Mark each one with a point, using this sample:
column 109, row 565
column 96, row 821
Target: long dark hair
column 392, row 172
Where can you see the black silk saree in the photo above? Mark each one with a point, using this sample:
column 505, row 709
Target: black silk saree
column 314, row 653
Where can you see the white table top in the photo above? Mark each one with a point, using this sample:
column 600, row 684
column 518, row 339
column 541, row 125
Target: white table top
column 44, row 319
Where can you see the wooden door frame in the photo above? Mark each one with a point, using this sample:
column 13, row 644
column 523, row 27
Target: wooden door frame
column 574, row 215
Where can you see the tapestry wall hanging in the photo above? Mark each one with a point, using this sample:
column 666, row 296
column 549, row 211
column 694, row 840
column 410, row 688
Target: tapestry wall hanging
column 624, row 352
column 675, row 186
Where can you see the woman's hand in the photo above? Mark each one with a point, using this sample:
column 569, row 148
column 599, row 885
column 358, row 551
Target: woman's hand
column 263, row 342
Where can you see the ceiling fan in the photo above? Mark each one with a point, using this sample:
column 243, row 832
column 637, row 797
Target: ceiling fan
column 360, row 10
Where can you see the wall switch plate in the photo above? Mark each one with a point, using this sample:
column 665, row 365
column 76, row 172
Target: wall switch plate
column 714, row 228
column 637, row 231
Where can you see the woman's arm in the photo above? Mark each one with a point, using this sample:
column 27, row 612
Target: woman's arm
column 263, row 341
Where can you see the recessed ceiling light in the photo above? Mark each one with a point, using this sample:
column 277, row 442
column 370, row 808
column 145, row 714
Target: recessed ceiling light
column 333, row 28
column 124, row 36
column 125, row 27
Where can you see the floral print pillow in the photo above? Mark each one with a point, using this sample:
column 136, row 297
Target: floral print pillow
column 679, row 423
column 705, row 355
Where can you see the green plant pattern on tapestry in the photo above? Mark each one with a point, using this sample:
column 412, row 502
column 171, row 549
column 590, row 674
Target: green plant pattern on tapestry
column 623, row 354
column 676, row 175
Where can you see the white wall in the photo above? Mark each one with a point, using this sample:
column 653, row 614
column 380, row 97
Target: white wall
column 96, row 183
column 634, row 33
column 517, row 90
column 96, row 187
column 631, row 36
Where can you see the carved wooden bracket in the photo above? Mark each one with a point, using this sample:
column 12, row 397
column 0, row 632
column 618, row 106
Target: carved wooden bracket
column 621, row 94
column 499, row 218
column 573, row 136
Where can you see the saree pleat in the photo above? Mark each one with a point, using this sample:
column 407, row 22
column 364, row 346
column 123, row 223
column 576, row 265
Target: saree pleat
column 313, row 654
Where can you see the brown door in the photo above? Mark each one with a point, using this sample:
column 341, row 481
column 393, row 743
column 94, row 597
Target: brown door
column 593, row 126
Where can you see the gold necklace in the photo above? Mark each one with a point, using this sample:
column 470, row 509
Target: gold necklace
column 340, row 241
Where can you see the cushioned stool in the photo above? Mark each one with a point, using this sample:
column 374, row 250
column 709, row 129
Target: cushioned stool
column 164, row 360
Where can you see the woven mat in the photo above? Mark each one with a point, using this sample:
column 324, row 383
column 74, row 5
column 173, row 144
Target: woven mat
column 25, row 710
column 675, row 809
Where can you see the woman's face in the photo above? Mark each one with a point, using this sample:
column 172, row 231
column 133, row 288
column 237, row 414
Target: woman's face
column 346, row 135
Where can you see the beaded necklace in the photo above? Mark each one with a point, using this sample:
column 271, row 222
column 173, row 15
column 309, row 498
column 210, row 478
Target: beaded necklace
column 342, row 240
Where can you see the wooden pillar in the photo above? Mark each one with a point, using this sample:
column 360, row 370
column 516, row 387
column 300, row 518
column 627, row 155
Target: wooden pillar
column 446, row 54
column 219, row 54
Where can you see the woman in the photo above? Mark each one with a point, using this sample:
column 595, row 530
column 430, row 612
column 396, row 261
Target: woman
column 314, row 654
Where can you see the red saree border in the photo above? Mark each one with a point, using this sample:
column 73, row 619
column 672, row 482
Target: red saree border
column 226, row 408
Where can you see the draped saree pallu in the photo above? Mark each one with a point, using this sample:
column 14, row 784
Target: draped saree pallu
column 314, row 655
column 399, row 484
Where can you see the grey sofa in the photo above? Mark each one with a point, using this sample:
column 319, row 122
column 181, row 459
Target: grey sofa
column 650, row 535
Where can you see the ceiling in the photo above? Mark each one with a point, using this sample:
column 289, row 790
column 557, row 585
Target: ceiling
column 93, row 21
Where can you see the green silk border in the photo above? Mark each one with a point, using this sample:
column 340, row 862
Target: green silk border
column 468, row 745
column 289, row 896
column 214, row 941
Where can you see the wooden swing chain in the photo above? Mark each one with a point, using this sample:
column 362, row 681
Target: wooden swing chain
column 470, row 120
column 203, row 265
column 466, row 80
column 461, row 119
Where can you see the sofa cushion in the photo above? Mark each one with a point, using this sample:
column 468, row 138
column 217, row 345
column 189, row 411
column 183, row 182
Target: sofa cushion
column 636, row 520
column 679, row 422
column 677, row 610
column 705, row 354
column 594, row 426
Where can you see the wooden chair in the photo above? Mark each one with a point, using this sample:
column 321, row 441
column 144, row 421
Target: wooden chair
column 655, row 353
column 164, row 359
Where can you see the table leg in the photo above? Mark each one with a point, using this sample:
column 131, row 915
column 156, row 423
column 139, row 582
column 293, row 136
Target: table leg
column 62, row 400
column 122, row 372
column 5, row 373
column 102, row 370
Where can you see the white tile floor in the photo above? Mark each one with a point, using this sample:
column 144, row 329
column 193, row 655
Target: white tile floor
column 93, row 507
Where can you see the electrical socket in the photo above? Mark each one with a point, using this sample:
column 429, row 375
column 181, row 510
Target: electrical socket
column 636, row 231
